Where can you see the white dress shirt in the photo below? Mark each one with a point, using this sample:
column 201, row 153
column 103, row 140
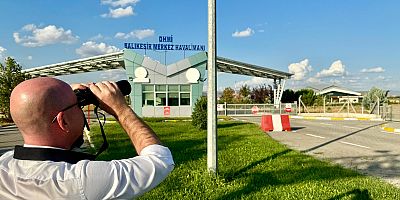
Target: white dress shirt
column 117, row 179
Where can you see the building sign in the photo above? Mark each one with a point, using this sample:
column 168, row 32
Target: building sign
column 288, row 107
column 165, row 43
column 254, row 110
column 167, row 111
column 220, row 107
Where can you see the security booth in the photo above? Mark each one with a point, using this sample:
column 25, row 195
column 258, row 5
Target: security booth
column 160, row 90
column 164, row 91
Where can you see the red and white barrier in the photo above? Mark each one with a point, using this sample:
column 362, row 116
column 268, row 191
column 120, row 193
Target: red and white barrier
column 275, row 123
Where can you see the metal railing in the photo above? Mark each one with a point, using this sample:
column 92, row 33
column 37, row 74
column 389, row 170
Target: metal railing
column 256, row 109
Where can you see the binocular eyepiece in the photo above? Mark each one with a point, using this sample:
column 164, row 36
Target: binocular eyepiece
column 86, row 97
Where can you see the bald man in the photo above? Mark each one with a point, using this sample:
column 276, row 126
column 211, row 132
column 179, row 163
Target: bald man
column 46, row 112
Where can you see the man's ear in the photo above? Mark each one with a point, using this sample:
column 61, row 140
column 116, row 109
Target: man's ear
column 62, row 123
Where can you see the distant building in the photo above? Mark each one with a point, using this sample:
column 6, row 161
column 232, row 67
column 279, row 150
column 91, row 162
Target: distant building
column 340, row 94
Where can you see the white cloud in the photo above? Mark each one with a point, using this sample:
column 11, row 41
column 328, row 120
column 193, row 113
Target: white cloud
column 119, row 12
column 253, row 82
column 335, row 82
column 29, row 27
column 37, row 37
column 373, row 70
column 313, row 80
column 29, row 57
column 300, row 69
column 97, row 37
column 2, row 50
column 337, row 68
column 113, row 75
column 119, row 3
column 91, row 48
column 136, row 34
column 245, row 33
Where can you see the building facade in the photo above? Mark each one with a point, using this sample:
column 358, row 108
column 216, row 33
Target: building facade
column 165, row 91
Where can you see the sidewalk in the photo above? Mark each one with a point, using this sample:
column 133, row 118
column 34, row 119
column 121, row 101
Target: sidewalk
column 393, row 127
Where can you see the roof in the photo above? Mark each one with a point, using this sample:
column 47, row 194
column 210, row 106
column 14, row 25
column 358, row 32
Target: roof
column 116, row 61
column 334, row 88
column 236, row 67
column 90, row 64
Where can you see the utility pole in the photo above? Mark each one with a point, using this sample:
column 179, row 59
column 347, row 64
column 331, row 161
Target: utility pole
column 212, row 159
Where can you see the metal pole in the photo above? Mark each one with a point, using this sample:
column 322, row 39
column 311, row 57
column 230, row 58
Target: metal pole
column 212, row 160
column 226, row 107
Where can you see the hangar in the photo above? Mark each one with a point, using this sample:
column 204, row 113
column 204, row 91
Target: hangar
column 160, row 90
column 340, row 94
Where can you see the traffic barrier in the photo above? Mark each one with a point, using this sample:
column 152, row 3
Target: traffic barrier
column 266, row 123
column 275, row 123
column 285, row 123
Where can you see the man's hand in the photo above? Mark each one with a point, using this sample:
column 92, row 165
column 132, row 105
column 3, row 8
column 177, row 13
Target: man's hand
column 110, row 97
column 79, row 86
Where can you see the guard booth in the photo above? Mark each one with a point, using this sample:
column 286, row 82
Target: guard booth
column 160, row 90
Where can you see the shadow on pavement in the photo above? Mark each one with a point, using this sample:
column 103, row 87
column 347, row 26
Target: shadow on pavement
column 339, row 138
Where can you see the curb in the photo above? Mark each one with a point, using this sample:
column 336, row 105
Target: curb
column 390, row 129
column 336, row 118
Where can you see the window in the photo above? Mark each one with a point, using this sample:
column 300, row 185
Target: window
column 166, row 95
column 173, row 88
column 185, row 88
column 148, row 88
column 161, row 88
column 185, row 99
column 161, row 99
column 173, row 99
column 148, row 99
column 185, row 95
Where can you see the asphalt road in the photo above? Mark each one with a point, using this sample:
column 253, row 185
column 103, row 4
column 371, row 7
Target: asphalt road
column 9, row 137
column 359, row 145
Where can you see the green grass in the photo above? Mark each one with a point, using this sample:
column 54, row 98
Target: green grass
column 251, row 166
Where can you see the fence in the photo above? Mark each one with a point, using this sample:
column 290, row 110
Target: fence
column 256, row 109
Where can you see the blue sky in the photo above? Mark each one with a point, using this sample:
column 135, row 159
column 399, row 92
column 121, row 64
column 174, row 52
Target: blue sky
column 354, row 44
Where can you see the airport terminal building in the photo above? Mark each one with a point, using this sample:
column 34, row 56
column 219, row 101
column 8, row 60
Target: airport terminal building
column 160, row 90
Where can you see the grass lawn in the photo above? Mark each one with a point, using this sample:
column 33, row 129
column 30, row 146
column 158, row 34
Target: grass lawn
column 251, row 166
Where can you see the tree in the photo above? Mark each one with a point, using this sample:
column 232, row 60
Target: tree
column 307, row 96
column 262, row 94
column 10, row 76
column 244, row 94
column 372, row 96
column 288, row 96
column 228, row 95
column 199, row 115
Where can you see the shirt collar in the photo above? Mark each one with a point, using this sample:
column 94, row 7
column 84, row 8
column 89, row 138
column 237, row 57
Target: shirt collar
column 38, row 146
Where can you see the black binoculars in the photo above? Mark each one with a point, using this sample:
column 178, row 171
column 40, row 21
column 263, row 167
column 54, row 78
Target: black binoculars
column 86, row 97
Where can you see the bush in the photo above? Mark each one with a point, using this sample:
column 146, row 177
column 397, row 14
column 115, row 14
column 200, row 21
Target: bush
column 199, row 115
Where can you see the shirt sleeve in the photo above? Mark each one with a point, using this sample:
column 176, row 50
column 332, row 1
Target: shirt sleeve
column 126, row 178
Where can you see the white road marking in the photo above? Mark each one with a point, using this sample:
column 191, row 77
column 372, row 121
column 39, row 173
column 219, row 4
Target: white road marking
column 317, row 136
column 357, row 145
column 351, row 127
column 325, row 124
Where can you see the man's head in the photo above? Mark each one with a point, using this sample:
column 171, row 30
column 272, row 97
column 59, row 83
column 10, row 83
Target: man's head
column 38, row 108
